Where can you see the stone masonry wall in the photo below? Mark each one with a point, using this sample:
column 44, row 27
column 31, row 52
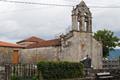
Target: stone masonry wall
column 38, row 54
column 96, row 54
column 74, row 49
column 6, row 54
column 82, row 44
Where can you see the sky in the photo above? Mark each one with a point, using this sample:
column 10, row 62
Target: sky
column 20, row 21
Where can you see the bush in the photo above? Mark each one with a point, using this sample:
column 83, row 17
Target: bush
column 60, row 70
column 34, row 78
column 14, row 77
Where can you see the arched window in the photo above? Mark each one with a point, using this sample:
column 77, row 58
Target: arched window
column 79, row 20
column 85, row 22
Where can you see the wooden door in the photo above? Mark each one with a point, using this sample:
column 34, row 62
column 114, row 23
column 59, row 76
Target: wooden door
column 15, row 57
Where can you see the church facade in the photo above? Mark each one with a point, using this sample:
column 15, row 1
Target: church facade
column 73, row 46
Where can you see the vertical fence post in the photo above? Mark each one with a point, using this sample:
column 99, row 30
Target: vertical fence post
column 7, row 72
column 25, row 71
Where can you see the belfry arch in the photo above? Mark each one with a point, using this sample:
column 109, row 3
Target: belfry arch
column 81, row 18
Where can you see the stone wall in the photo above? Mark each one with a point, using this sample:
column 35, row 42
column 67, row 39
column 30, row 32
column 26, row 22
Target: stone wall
column 74, row 49
column 96, row 54
column 6, row 54
column 35, row 55
column 82, row 44
column 78, row 49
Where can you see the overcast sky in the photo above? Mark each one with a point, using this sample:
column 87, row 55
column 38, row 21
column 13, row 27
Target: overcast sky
column 20, row 21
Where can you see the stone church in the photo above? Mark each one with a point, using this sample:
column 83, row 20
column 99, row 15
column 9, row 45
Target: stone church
column 73, row 46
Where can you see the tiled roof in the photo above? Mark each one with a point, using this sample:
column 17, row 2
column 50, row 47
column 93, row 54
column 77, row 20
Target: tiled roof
column 37, row 42
column 6, row 44
column 47, row 43
column 32, row 39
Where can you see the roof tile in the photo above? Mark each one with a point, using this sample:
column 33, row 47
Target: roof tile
column 6, row 44
column 31, row 39
column 47, row 43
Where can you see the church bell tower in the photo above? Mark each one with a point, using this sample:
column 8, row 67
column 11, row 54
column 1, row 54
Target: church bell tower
column 81, row 18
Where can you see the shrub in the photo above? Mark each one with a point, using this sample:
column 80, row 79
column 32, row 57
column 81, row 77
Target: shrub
column 34, row 78
column 60, row 70
column 14, row 77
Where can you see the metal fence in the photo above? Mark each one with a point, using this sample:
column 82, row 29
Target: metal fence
column 111, row 64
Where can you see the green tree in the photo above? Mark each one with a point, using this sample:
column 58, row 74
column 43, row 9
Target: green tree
column 108, row 39
column 119, row 44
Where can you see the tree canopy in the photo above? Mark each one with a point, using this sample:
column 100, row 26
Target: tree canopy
column 108, row 39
